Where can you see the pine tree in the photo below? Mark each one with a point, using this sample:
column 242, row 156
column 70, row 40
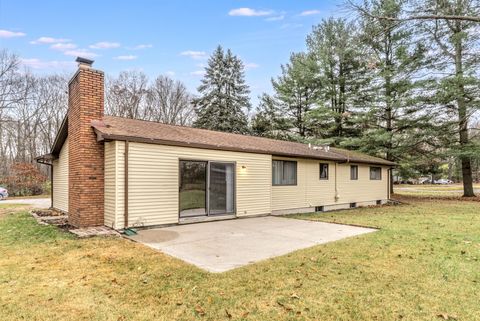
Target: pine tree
column 456, row 44
column 269, row 120
column 396, row 124
column 334, row 45
column 296, row 91
column 224, row 94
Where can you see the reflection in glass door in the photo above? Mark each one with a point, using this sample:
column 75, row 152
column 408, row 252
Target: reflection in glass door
column 192, row 189
column 200, row 181
column 221, row 188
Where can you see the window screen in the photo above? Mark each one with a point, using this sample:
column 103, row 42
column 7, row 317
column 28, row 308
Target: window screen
column 323, row 171
column 353, row 172
column 284, row 172
column 375, row 173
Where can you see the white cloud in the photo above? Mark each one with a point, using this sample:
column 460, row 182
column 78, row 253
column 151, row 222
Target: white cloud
column 194, row 54
column 249, row 12
column 63, row 46
column 127, row 57
column 142, row 46
column 291, row 25
column 40, row 64
column 251, row 65
column 105, row 45
column 170, row 73
column 81, row 53
column 48, row 40
column 309, row 13
column 10, row 34
column 198, row 73
column 275, row 18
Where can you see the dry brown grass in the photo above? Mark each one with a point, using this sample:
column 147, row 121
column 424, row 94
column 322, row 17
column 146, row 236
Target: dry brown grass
column 422, row 264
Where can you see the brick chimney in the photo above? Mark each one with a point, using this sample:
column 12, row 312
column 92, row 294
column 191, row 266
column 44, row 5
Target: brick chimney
column 85, row 154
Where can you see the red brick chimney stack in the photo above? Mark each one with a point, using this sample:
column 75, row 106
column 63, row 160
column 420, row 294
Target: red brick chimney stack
column 85, row 154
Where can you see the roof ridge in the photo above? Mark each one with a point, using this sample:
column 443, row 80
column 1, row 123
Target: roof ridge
column 209, row 130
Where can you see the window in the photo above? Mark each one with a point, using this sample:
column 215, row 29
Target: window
column 323, row 171
column 284, row 172
column 353, row 205
column 354, row 172
column 375, row 173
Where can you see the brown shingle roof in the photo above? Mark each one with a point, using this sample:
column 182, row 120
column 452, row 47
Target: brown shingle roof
column 118, row 128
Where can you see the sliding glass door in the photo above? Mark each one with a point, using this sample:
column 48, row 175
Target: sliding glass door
column 221, row 196
column 206, row 188
column 193, row 188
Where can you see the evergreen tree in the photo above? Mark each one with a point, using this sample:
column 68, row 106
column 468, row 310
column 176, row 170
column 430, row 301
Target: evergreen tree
column 456, row 47
column 296, row 92
column 396, row 123
column 224, row 94
column 269, row 120
column 335, row 48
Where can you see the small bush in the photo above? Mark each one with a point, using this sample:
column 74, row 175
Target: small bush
column 25, row 179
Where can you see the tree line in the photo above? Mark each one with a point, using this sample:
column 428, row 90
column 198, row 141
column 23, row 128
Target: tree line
column 398, row 80
column 32, row 107
column 390, row 82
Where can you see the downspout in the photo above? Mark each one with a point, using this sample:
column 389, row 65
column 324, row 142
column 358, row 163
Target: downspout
column 389, row 175
column 51, row 185
column 126, row 186
column 336, row 190
column 39, row 161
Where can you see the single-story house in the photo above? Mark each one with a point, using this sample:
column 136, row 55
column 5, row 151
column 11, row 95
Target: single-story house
column 121, row 172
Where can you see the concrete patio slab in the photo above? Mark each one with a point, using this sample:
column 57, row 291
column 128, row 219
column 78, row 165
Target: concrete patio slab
column 224, row 245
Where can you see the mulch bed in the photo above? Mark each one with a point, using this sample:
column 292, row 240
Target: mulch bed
column 43, row 213
column 60, row 220
column 66, row 227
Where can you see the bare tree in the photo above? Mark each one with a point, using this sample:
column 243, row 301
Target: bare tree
column 9, row 91
column 31, row 110
column 126, row 95
column 165, row 100
column 169, row 102
column 32, row 107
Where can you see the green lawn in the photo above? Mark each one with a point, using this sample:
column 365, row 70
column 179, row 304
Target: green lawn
column 432, row 191
column 424, row 264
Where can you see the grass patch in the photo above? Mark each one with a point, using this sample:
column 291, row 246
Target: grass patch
column 424, row 262
column 434, row 191
column 10, row 206
column 434, row 187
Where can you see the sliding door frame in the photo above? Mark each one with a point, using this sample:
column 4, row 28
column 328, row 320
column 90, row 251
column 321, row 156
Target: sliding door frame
column 207, row 186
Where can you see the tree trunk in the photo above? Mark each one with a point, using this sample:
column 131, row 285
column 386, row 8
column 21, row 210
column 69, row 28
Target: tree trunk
column 462, row 118
column 388, row 102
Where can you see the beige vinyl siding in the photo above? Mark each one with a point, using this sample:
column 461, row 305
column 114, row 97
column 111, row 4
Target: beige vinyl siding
column 114, row 184
column 311, row 191
column 153, row 181
column 290, row 196
column 60, row 179
column 363, row 189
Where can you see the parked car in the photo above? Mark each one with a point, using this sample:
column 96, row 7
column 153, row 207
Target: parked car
column 425, row 180
column 443, row 181
column 3, row 193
